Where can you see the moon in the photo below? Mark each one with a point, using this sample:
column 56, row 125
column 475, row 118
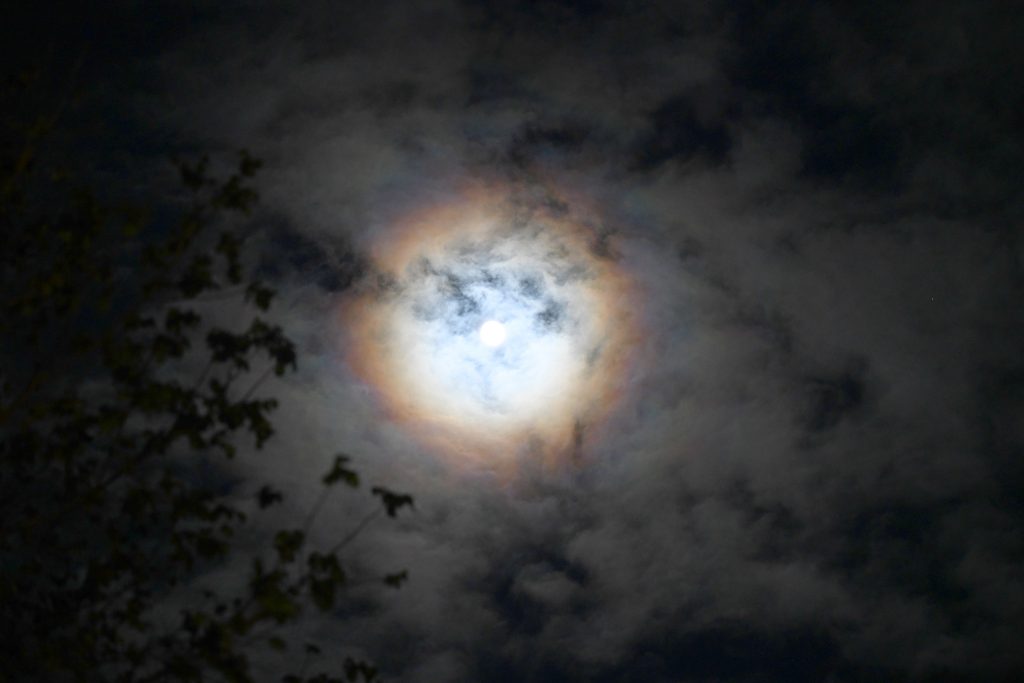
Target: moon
column 493, row 333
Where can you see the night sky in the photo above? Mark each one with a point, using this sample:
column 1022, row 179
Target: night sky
column 759, row 415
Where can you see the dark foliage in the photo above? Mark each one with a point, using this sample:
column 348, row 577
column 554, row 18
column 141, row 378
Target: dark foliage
column 105, row 519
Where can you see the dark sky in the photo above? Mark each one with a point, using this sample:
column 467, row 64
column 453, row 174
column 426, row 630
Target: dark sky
column 815, row 469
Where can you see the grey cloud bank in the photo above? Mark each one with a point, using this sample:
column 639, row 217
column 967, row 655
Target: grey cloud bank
column 816, row 474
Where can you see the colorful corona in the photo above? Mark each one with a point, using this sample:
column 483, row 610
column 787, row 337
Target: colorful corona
column 541, row 266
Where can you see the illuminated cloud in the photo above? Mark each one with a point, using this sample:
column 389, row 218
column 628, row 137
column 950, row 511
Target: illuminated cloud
column 541, row 271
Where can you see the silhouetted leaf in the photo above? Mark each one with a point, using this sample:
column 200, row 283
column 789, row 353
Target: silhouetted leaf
column 268, row 496
column 392, row 501
column 288, row 544
column 339, row 472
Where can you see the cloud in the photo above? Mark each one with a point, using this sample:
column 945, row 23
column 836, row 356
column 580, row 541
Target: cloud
column 814, row 473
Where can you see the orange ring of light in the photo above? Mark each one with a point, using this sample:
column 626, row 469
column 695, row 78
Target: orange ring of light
column 555, row 432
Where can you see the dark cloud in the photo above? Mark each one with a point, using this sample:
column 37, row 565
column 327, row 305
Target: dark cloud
column 816, row 474
column 550, row 318
column 677, row 132
column 834, row 398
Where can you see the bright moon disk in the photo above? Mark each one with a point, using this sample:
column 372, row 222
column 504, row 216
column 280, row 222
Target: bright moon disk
column 493, row 333
column 453, row 282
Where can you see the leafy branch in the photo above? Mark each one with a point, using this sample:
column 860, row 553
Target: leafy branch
column 104, row 513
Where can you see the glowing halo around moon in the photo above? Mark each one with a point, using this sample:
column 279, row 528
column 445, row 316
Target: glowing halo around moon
column 495, row 328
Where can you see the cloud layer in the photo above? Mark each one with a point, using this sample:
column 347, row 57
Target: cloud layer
column 815, row 474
